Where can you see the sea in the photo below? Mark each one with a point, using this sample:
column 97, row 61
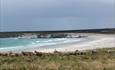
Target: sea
column 25, row 43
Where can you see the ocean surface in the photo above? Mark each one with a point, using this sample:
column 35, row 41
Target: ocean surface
column 23, row 43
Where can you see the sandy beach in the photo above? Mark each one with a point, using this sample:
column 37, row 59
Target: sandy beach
column 98, row 41
column 92, row 41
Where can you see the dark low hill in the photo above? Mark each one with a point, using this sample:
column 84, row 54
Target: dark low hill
column 18, row 33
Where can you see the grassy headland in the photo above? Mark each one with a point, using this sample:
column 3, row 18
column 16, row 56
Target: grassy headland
column 99, row 59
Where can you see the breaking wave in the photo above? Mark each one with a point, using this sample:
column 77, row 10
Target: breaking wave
column 15, row 43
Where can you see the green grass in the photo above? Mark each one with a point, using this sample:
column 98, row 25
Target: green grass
column 96, row 61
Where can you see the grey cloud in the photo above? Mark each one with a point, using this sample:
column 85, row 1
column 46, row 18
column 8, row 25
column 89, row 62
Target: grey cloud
column 56, row 14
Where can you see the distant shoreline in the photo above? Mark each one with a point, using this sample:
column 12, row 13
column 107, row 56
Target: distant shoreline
column 55, row 34
column 99, row 30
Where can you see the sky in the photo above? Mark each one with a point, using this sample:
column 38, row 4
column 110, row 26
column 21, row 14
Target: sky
column 44, row 15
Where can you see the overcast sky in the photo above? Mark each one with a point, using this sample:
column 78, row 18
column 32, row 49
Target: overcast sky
column 37, row 15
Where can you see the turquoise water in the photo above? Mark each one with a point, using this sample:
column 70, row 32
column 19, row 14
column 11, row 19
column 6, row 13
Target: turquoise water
column 15, row 43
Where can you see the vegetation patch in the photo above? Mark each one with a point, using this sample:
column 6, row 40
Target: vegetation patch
column 99, row 59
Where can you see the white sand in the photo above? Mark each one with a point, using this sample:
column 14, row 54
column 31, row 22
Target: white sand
column 100, row 41
column 97, row 41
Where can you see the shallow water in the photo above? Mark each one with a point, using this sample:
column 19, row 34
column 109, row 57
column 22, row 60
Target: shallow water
column 16, row 43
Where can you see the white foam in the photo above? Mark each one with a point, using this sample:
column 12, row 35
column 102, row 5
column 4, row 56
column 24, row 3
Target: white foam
column 44, row 43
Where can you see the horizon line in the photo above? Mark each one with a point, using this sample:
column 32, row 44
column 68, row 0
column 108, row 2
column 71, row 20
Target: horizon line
column 61, row 30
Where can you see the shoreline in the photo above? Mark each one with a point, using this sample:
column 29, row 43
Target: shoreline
column 97, row 41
